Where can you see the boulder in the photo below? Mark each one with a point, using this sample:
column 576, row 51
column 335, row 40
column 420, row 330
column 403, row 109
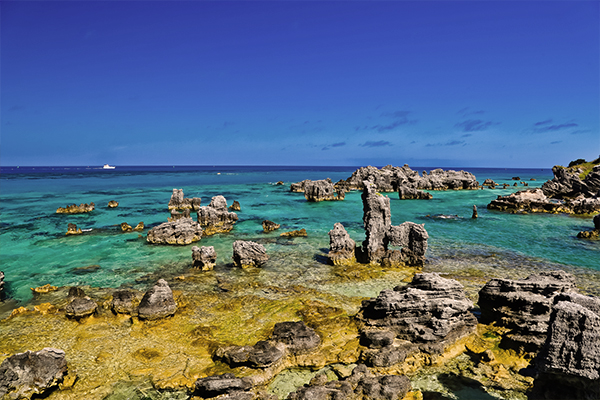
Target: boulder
column 80, row 306
column 113, row 204
column 215, row 218
column 569, row 362
column 157, row 302
column 296, row 233
column 322, row 190
column 181, row 232
column 269, row 226
column 408, row 193
column 431, row 312
column 263, row 354
column 490, row 183
column 124, row 302
column 180, row 203
column 297, row 337
column 204, row 257
column 341, row 247
column 235, row 206
column 76, row 209
column 73, row 230
column 213, row 386
column 523, row 306
column 248, row 254
column 24, row 375
column 125, row 227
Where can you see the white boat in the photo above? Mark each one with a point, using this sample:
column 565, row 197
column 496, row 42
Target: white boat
column 106, row 166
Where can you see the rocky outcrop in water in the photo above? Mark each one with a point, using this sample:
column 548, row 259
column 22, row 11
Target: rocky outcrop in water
column 181, row 232
column 429, row 314
column 1, row 285
column 362, row 384
column 73, row 230
column 567, row 182
column 215, row 218
column 76, row 209
column 204, row 257
column 179, row 202
column 158, row 302
column 390, row 179
column 341, row 247
column 594, row 233
column 299, row 186
column 490, row 183
column 113, row 204
column 80, row 305
column 247, row 254
column 24, row 375
column 296, row 233
column 125, row 227
column 569, row 362
column 534, row 200
column 523, row 306
column 407, row 193
column 322, row 190
column 235, row 206
column 269, row 226
column 380, row 234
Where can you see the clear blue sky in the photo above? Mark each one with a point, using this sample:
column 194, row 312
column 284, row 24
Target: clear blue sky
column 450, row 83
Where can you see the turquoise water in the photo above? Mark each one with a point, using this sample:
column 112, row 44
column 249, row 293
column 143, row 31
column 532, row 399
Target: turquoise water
column 35, row 251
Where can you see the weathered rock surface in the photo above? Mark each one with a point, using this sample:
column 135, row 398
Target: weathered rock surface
column 299, row 186
column 181, row 232
column 213, row 386
column 73, row 230
column 248, row 254
column 567, row 184
column 1, row 285
column 341, row 247
column 179, row 203
column 24, row 375
column 215, row 218
column 390, row 179
column 534, row 200
column 362, row 384
column 124, row 302
column 113, row 204
column 297, row 337
column 524, row 306
column 204, row 257
column 125, row 227
column 594, row 233
column 322, row 190
column 490, row 183
column 297, row 233
column 269, row 226
column 408, row 193
column 569, row 362
column 81, row 305
column 76, row 209
column 431, row 312
column 380, row 233
column 157, row 302
column 235, row 206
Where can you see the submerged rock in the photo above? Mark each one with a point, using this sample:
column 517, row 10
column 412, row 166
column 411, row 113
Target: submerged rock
column 248, row 254
column 73, row 230
column 341, row 247
column 523, row 306
column 24, row 375
column 76, row 209
column 296, row 233
column 322, row 190
column 181, row 232
column 204, row 257
column 157, row 302
column 269, row 226
column 215, row 218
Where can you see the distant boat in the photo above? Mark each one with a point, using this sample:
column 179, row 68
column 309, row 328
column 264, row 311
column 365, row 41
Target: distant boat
column 106, row 166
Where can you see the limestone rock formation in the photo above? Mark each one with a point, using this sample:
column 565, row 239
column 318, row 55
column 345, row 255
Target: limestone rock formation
column 408, row 193
column 125, row 227
column 248, row 254
column 24, row 375
column 297, row 337
column 534, row 200
column 490, row 183
column 180, row 203
column 299, row 186
column 475, row 215
column 524, row 306
column 594, row 233
column 322, row 190
column 80, row 305
column 204, row 257
column 567, row 183
column 235, row 206
column 341, row 247
column 269, row 226
column 226, row 384
column 569, row 362
column 157, row 302
column 215, row 218
column 73, row 230
column 380, row 233
column 181, row 232
column 113, row 204
column 1, row 285
column 123, row 301
column 295, row 233
column 431, row 312
column 76, row 209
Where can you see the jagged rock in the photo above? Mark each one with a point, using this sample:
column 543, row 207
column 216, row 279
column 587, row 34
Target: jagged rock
column 76, row 291
column 523, row 306
column 296, row 233
column 180, row 203
column 569, row 362
column 594, row 233
column 157, row 302
column 269, row 226
column 341, row 247
column 380, row 233
column 73, row 230
column 474, row 212
column 235, row 206
column 76, row 209
column 125, row 227
column 407, row 193
column 176, row 215
column 490, row 183
column 1, row 285
column 47, row 288
column 297, row 337
column 113, row 204
column 377, row 339
column 139, row 227
column 123, row 302
column 24, row 375
column 183, row 231
column 204, row 257
column 80, row 305
column 431, row 312
column 215, row 218
column 249, row 254
column 213, row 386
column 567, row 184
column 262, row 355
column 299, row 186
column 322, row 190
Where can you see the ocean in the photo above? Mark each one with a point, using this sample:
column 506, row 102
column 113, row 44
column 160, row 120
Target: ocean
column 36, row 251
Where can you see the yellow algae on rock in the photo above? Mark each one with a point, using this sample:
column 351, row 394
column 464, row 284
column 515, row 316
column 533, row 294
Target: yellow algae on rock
column 44, row 289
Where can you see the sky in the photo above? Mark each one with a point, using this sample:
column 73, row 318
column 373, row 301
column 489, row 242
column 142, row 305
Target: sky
column 426, row 83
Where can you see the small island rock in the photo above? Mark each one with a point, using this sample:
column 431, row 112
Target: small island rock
column 113, row 204
column 181, row 232
column 269, row 226
column 76, row 209
column 248, row 254
column 204, row 257
column 73, row 230
column 341, row 247
column 215, row 218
